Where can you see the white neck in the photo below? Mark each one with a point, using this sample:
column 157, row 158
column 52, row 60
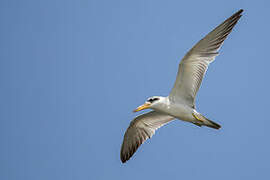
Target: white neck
column 162, row 105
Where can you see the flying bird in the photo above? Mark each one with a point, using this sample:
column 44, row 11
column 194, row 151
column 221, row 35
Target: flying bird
column 180, row 104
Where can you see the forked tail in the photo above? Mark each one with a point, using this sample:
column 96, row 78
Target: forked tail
column 211, row 124
column 203, row 121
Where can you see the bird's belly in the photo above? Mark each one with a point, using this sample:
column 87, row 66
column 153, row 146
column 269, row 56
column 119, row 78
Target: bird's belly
column 182, row 112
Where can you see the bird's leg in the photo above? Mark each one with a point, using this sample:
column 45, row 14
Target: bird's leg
column 197, row 124
column 197, row 117
column 200, row 121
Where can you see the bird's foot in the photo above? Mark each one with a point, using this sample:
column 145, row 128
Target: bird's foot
column 197, row 117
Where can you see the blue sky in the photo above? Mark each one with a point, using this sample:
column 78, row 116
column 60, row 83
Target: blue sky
column 73, row 71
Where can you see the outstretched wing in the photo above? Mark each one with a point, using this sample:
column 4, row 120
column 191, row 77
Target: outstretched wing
column 195, row 63
column 140, row 129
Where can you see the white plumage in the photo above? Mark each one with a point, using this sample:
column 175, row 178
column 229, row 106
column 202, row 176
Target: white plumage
column 180, row 104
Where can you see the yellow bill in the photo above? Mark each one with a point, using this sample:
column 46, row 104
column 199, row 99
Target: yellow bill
column 142, row 107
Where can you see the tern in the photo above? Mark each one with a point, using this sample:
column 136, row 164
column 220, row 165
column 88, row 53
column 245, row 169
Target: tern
column 180, row 104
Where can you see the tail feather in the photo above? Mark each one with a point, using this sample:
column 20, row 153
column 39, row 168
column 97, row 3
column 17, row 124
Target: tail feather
column 211, row 124
column 203, row 121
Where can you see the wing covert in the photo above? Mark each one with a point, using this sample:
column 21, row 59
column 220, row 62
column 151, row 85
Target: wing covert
column 140, row 129
column 195, row 63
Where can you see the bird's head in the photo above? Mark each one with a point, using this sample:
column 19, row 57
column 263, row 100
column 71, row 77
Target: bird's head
column 151, row 102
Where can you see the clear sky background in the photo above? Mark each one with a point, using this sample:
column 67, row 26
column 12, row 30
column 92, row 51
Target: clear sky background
column 72, row 71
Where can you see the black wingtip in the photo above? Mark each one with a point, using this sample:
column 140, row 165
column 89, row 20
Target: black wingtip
column 241, row 10
column 124, row 158
column 123, row 161
column 239, row 13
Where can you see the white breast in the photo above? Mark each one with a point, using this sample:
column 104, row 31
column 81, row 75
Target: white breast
column 177, row 110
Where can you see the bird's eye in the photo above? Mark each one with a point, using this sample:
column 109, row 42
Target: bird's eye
column 151, row 100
